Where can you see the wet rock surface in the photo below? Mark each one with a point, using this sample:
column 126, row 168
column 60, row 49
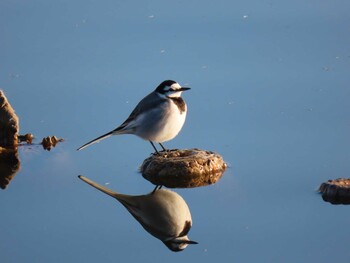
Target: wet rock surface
column 183, row 168
column 336, row 191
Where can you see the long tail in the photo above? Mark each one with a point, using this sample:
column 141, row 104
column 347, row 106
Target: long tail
column 126, row 200
column 96, row 140
column 99, row 187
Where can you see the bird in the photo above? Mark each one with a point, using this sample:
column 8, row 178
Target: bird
column 158, row 117
column 164, row 214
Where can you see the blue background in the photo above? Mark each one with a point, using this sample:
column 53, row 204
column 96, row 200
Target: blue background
column 270, row 92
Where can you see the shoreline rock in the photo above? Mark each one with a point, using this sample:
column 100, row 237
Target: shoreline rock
column 9, row 124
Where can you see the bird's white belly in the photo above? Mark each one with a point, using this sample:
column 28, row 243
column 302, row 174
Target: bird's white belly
column 166, row 127
column 171, row 128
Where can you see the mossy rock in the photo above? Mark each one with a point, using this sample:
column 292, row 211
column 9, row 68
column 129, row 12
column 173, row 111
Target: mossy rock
column 183, row 168
column 336, row 191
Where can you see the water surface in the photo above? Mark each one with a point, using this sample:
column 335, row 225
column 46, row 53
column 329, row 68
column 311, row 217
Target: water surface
column 270, row 92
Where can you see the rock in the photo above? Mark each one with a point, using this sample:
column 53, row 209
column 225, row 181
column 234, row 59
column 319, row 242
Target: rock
column 9, row 126
column 9, row 138
column 336, row 191
column 183, row 168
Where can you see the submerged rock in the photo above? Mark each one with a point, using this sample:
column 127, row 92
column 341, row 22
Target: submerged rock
column 336, row 191
column 183, row 168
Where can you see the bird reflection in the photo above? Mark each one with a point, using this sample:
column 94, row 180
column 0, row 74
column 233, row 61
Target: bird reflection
column 9, row 166
column 164, row 214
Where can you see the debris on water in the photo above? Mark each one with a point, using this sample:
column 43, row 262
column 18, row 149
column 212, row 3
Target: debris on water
column 47, row 142
column 10, row 139
column 336, row 191
column 28, row 138
column 50, row 142
column 9, row 128
column 183, row 168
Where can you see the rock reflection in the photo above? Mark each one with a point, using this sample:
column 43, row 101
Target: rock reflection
column 164, row 214
column 9, row 166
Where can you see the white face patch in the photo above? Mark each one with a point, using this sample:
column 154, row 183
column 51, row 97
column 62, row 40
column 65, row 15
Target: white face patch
column 173, row 91
column 173, row 94
column 176, row 86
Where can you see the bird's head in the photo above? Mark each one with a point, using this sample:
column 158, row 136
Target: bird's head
column 170, row 89
column 179, row 243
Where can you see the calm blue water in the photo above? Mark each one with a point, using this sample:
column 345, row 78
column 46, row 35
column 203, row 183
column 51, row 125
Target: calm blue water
column 270, row 92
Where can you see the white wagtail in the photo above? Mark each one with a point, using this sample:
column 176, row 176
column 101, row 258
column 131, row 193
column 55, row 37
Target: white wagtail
column 158, row 117
column 164, row 214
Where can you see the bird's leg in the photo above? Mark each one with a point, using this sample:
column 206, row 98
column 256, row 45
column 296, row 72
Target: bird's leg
column 154, row 147
column 161, row 145
column 156, row 188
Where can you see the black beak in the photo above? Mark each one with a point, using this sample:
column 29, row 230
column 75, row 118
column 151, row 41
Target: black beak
column 191, row 242
column 184, row 88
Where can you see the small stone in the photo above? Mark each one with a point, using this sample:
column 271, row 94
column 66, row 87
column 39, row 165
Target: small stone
column 183, row 168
